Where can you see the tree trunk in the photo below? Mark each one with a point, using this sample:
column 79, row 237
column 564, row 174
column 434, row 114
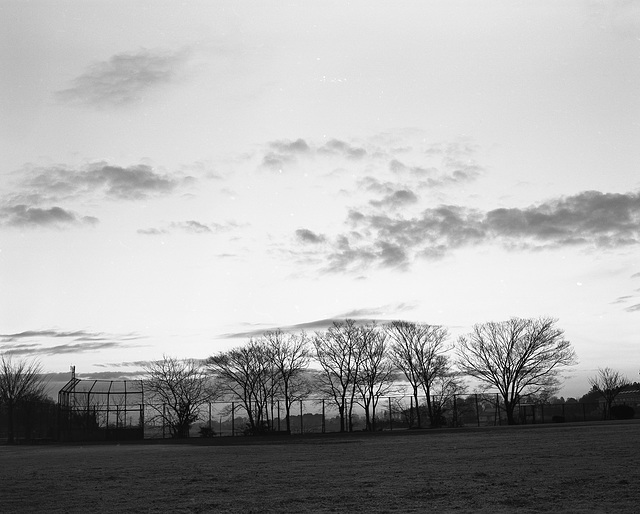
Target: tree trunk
column 341, row 412
column 287, row 407
column 509, row 407
column 415, row 395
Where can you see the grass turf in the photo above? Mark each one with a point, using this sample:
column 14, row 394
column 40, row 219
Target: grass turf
column 550, row 468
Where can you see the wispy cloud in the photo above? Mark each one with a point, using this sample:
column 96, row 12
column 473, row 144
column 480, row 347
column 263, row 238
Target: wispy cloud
column 191, row 227
column 633, row 308
column 30, row 217
column 595, row 219
column 45, row 342
column 125, row 78
column 309, row 326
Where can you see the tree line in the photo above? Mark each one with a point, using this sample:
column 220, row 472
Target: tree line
column 356, row 364
column 351, row 364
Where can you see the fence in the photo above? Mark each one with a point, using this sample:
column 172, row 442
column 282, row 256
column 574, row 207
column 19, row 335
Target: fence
column 392, row 413
column 33, row 421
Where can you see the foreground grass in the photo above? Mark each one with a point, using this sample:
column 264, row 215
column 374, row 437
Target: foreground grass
column 560, row 468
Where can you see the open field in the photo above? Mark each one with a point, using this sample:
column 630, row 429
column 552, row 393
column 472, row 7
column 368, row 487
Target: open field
column 550, row 468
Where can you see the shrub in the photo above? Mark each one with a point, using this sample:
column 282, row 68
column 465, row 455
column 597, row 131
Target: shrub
column 558, row 419
column 206, row 431
column 622, row 412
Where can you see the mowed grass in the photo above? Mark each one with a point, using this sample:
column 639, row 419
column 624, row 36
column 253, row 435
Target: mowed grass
column 553, row 468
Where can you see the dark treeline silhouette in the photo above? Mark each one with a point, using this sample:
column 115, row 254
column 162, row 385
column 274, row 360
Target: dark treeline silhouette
column 351, row 364
column 359, row 363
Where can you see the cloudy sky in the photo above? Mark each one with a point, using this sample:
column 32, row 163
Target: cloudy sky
column 177, row 177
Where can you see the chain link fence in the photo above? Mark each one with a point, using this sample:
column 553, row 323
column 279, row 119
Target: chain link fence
column 318, row 415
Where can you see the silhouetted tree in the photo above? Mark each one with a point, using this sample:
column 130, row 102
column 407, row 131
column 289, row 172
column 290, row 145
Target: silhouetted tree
column 609, row 383
column 517, row 356
column 289, row 355
column 246, row 373
column 20, row 381
column 338, row 351
column 376, row 374
column 417, row 350
column 178, row 388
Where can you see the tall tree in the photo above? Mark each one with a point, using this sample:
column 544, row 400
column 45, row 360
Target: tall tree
column 246, row 373
column 177, row 389
column 289, row 355
column 518, row 356
column 608, row 384
column 20, row 381
column 376, row 371
column 418, row 351
column 338, row 351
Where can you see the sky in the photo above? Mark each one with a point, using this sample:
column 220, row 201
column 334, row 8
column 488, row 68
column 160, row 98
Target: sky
column 178, row 177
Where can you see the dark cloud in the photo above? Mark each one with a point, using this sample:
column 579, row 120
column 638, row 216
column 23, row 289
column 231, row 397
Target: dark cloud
column 284, row 152
column 591, row 217
column 636, row 275
column 132, row 182
column 307, row 236
column 399, row 198
column 600, row 220
column 633, row 308
column 622, row 299
column 125, row 78
column 25, row 216
column 337, row 147
column 299, row 146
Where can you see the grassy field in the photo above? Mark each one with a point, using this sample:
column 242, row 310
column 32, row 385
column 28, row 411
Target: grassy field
column 552, row 468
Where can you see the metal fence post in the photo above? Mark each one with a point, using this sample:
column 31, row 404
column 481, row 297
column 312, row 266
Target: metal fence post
column 455, row 411
column 324, row 426
column 477, row 409
column 390, row 416
column 233, row 418
column 301, row 424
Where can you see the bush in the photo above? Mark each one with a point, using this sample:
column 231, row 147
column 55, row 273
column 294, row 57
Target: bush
column 261, row 429
column 206, row 431
column 622, row 412
column 558, row 419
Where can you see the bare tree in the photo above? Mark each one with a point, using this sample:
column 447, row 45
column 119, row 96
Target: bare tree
column 609, row 384
column 376, row 371
column 246, row 373
column 20, row 381
column 417, row 350
column 338, row 352
column 518, row 356
column 289, row 355
column 179, row 388
column 445, row 388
